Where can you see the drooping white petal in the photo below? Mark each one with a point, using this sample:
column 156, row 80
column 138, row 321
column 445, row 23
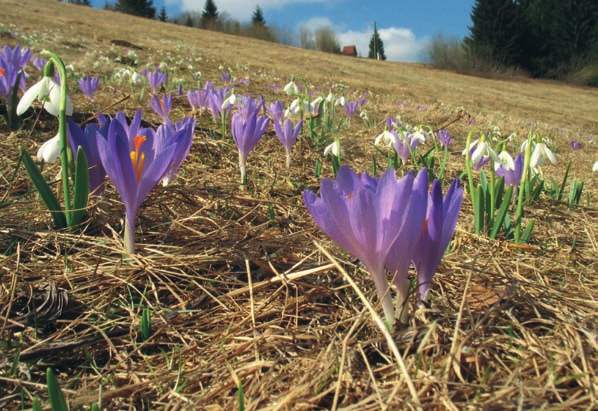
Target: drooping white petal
column 30, row 95
column 50, row 150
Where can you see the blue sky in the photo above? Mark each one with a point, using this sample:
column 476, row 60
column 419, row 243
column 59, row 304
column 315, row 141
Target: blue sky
column 405, row 26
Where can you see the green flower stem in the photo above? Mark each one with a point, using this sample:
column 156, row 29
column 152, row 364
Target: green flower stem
column 524, row 179
column 468, row 167
column 66, row 156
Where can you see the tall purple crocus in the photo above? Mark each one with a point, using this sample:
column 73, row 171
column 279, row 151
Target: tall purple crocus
column 135, row 163
column 439, row 226
column 156, row 79
column 351, row 109
column 89, row 86
column 371, row 218
column 161, row 106
column 276, row 111
column 247, row 129
column 87, row 139
column 287, row 136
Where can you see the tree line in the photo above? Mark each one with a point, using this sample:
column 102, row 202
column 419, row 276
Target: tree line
column 210, row 18
column 545, row 38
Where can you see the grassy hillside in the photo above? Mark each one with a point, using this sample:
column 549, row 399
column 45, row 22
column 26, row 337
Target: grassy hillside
column 239, row 292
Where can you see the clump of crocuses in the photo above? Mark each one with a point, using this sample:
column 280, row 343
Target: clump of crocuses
column 388, row 223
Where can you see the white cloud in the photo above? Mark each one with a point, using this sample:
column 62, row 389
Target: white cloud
column 400, row 44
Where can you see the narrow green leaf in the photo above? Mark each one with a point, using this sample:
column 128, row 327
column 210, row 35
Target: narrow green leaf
column 502, row 212
column 57, row 401
column 43, row 189
column 36, row 404
column 564, row 183
column 528, row 231
column 80, row 189
column 478, row 210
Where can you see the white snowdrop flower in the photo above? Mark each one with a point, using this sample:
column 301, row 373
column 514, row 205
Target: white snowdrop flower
column 291, row 88
column 50, row 150
column 505, row 159
column 541, row 152
column 48, row 92
column 334, row 149
column 595, row 168
column 387, row 138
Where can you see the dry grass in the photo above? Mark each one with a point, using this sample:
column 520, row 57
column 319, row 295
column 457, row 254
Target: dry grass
column 238, row 299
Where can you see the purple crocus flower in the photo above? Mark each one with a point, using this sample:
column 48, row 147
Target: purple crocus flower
column 287, row 136
column 247, row 129
column 156, row 79
column 512, row 173
column 181, row 135
column 161, row 106
column 408, row 228
column 439, row 226
column 40, row 63
column 444, row 138
column 89, row 86
column 134, row 165
column 87, row 139
column 198, row 99
column 16, row 57
column 276, row 111
column 215, row 99
column 366, row 217
column 351, row 108
column 574, row 144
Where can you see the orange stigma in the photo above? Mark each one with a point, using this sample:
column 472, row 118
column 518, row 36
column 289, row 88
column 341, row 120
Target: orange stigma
column 2, row 71
column 138, row 158
column 426, row 226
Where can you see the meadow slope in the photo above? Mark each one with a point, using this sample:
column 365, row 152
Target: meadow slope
column 247, row 311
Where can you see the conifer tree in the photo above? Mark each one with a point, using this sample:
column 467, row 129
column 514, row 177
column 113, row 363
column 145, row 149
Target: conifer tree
column 163, row 16
column 376, row 46
column 257, row 19
column 142, row 8
column 209, row 15
column 496, row 32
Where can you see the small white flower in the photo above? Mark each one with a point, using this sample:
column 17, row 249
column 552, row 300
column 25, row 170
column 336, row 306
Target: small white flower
column 50, row 150
column 229, row 101
column 291, row 88
column 540, row 153
column 364, row 115
column 48, row 92
column 505, row 160
column 595, row 168
column 295, row 106
column 386, row 137
column 482, row 150
column 334, row 149
column 136, row 78
column 341, row 101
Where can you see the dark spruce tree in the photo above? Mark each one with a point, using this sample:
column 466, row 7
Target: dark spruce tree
column 376, row 46
column 141, row 8
column 209, row 15
column 258, row 28
column 163, row 16
column 257, row 18
column 496, row 33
